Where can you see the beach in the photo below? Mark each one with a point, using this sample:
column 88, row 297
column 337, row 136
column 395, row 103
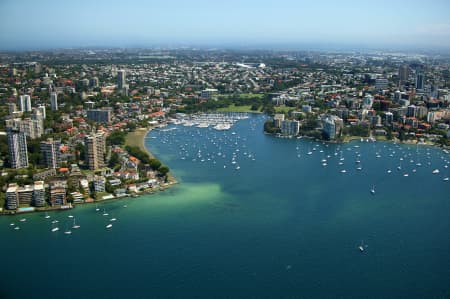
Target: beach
column 137, row 138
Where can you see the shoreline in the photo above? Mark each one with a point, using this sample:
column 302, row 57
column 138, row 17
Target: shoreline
column 349, row 139
column 137, row 138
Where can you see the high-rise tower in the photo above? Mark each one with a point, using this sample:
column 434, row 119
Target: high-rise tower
column 17, row 145
column 121, row 79
column 54, row 101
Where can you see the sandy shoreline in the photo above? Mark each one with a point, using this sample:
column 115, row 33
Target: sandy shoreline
column 137, row 138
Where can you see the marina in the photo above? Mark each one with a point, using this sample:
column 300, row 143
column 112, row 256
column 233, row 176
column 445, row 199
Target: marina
column 218, row 121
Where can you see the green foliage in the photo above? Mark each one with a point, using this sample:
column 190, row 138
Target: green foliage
column 155, row 164
column 116, row 138
column 2, row 199
column 3, row 146
column 256, row 101
column 255, row 107
column 269, row 109
column 310, row 124
column 138, row 153
column 80, row 151
column 357, row 130
column 52, row 118
column 402, row 135
column 389, row 135
column 269, row 127
column 114, row 160
column 163, row 170
column 131, row 126
column 34, row 151
column 109, row 188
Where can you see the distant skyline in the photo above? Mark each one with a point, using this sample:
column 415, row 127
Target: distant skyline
column 45, row 24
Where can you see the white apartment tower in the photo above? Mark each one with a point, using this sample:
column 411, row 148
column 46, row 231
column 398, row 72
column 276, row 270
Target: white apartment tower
column 17, row 145
column 25, row 103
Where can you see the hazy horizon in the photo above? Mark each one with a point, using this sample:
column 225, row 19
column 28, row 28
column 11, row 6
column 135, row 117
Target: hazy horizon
column 48, row 24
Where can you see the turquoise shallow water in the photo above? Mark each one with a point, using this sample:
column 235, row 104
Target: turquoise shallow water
column 282, row 226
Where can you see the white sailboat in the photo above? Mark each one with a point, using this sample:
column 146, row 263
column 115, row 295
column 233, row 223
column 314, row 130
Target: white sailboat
column 104, row 213
column 54, row 228
column 372, row 191
column 67, row 231
column 75, row 225
column 109, row 226
column 362, row 247
column 47, row 216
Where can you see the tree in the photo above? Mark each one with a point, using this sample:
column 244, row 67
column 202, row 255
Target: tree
column 389, row 135
column 116, row 138
column 163, row 170
column 109, row 188
column 402, row 135
column 114, row 160
column 270, row 128
column 155, row 164
column 138, row 153
column 270, row 110
column 131, row 126
column 80, row 152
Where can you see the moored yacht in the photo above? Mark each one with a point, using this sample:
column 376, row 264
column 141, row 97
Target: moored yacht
column 362, row 247
column 75, row 225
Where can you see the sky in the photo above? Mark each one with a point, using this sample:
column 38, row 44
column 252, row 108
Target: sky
column 45, row 24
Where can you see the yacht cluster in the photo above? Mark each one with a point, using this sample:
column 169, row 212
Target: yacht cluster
column 71, row 224
column 204, row 144
column 218, row 121
column 404, row 159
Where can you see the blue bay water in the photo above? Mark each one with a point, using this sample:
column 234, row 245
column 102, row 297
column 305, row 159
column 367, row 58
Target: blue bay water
column 281, row 226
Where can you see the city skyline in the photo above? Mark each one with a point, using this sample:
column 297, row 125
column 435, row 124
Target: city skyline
column 29, row 25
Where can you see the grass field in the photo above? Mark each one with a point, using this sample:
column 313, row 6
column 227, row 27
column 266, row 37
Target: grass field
column 233, row 108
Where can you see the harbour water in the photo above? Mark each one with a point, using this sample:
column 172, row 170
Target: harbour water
column 267, row 218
